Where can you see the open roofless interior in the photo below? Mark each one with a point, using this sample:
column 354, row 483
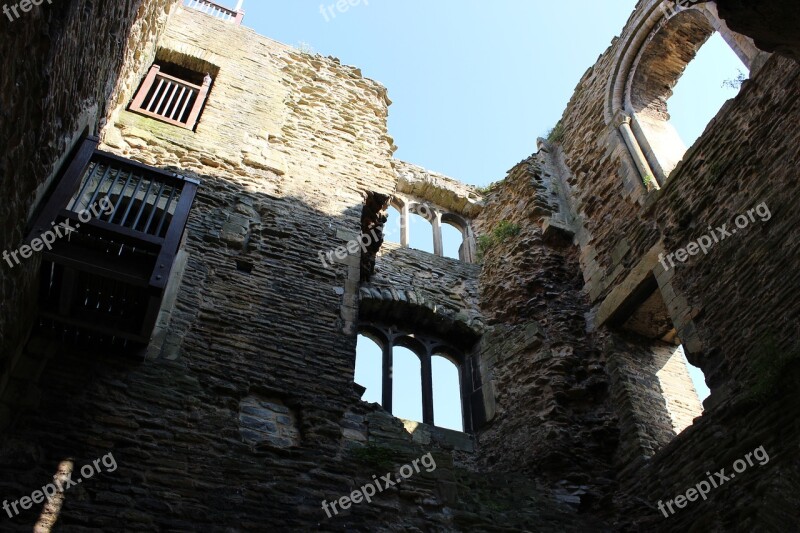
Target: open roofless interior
column 227, row 305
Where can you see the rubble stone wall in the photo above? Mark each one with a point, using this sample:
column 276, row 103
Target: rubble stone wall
column 48, row 99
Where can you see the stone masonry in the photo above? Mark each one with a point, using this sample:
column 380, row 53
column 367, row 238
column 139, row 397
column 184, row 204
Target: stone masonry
column 242, row 413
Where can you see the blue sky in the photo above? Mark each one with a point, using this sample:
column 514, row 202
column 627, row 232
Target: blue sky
column 475, row 83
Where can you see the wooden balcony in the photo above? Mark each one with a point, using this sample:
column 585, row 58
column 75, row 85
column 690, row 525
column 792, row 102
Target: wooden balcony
column 106, row 279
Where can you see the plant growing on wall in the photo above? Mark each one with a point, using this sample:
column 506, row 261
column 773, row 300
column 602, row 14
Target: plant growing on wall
column 556, row 135
column 503, row 231
column 489, row 188
column 650, row 181
column 735, row 83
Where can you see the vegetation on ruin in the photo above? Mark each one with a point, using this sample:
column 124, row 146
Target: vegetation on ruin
column 503, row 231
column 650, row 180
column 735, row 83
column 556, row 134
column 493, row 186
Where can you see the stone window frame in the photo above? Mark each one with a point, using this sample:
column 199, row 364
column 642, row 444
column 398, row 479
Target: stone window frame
column 436, row 216
column 644, row 136
column 425, row 347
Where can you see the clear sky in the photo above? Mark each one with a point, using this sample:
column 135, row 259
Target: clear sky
column 475, row 83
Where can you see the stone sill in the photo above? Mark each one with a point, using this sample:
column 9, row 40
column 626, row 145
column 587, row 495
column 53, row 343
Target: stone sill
column 447, row 439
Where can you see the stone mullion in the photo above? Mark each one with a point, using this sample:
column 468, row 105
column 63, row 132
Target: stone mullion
column 387, row 374
column 427, row 389
column 436, row 222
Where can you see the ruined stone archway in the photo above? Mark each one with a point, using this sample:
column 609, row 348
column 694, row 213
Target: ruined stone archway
column 651, row 60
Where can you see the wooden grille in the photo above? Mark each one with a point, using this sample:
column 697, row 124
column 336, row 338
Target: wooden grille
column 171, row 99
column 107, row 277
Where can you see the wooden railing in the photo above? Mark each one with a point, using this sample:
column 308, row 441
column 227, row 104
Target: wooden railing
column 217, row 11
column 108, row 277
column 171, row 99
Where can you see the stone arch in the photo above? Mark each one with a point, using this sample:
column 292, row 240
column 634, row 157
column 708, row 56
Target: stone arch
column 411, row 343
column 447, row 379
column 466, row 252
column 374, row 334
column 412, row 308
column 651, row 59
column 423, row 212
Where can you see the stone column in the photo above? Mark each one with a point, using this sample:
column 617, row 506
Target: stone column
column 404, row 218
column 436, row 222
column 623, row 123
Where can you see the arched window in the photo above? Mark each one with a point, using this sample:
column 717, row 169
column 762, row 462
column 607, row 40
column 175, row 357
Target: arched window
column 661, row 65
column 424, row 227
column 406, row 384
column 446, row 393
column 711, row 79
column 420, row 228
column 416, row 377
column 652, row 60
column 457, row 230
column 393, row 229
column 452, row 241
column 369, row 368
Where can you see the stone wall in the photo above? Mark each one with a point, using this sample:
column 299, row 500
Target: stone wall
column 248, row 417
column 720, row 304
column 439, row 189
column 551, row 413
column 48, row 98
column 654, row 395
column 446, row 288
